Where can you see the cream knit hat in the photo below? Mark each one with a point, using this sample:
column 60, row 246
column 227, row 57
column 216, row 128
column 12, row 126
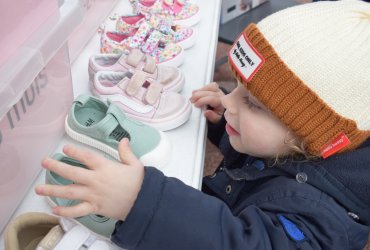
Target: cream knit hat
column 310, row 65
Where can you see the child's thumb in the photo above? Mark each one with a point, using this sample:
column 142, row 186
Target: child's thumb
column 125, row 153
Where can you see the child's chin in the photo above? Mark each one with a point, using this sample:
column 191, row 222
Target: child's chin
column 235, row 143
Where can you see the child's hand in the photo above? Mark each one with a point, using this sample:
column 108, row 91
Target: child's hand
column 209, row 96
column 107, row 188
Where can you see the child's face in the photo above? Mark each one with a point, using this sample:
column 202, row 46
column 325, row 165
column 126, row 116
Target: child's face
column 252, row 128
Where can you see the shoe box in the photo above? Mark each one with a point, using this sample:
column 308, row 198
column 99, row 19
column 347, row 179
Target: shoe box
column 234, row 8
column 35, row 95
column 95, row 12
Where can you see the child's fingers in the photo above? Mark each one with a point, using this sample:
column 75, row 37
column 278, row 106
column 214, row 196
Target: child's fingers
column 71, row 192
column 81, row 209
column 88, row 158
column 213, row 86
column 212, row 116
column 213, row 101
column 125, row 153
column 199, row 94
column 209, row 87
column 75, row 174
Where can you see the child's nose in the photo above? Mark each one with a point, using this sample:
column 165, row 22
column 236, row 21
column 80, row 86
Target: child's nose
column 228, row 103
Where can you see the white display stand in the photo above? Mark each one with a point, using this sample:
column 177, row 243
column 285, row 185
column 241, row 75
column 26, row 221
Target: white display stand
column 188, row 141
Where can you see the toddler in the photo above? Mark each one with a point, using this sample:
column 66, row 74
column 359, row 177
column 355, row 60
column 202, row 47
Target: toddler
column 296, row 168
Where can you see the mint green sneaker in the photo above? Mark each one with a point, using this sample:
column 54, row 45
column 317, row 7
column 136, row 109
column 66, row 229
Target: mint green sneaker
column 99, row 224
column 102, row 126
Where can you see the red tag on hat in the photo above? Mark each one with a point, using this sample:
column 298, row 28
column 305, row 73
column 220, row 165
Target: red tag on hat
column 335, row 145
column 245, row 58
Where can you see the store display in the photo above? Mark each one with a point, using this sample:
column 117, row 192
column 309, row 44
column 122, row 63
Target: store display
column 182, row 12
column 181, row 35
column 142, row 99
column 53, row 51
column 147, row 40
column 97, row 124
column 99, row 224
column 171, row 78
column 42, row 231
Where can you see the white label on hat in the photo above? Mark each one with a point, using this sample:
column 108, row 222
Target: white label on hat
column 245, row 58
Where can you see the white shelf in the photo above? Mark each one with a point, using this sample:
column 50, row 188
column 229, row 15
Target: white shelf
column 188, row 141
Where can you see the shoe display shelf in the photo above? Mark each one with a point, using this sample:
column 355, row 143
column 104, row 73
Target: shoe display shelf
column 35, row 94
column 94, row 12
column 188, row 141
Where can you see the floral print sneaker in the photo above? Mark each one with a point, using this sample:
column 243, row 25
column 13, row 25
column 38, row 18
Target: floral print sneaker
column 183, row 36
column 182, row 12
column 148, row 40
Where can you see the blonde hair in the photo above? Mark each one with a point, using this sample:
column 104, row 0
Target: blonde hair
column 297, row 152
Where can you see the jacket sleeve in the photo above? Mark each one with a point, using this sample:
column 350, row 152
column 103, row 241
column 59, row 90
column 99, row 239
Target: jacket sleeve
column 171, row 215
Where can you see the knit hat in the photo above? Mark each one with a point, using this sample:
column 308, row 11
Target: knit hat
column 310, row 66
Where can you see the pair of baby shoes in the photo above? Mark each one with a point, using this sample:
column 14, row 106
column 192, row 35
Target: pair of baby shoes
column 155, row 31
column 145, row 91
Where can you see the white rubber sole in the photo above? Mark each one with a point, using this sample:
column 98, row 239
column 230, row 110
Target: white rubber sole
column 158, row 157
column 172, row 122
column 190, row 41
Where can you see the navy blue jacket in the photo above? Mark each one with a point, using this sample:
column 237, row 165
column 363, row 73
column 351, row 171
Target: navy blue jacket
column 248, row 205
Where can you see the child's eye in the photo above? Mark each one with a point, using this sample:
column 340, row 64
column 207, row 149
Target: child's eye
column 251, row 104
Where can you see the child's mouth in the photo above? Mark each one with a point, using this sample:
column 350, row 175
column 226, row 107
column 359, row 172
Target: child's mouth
column 230, row 130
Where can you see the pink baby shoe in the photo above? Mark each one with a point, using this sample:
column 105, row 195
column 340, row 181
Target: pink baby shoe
column 171, row 78
column 183, row 36
column 142, row 98
column 182, row 12
column 148, row 40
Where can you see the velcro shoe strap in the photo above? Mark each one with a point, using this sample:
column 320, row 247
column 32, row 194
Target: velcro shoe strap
column 73, row 239
column 150, row 65
column 165, row 26
column 135, row 83
column 138, row 39
column 152, row 42
column 153, row 93
column 134, row 57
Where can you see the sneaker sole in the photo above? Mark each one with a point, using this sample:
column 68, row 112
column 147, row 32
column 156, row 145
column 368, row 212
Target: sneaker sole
column 158, row 157
column 190, row 41
column 171, row 123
